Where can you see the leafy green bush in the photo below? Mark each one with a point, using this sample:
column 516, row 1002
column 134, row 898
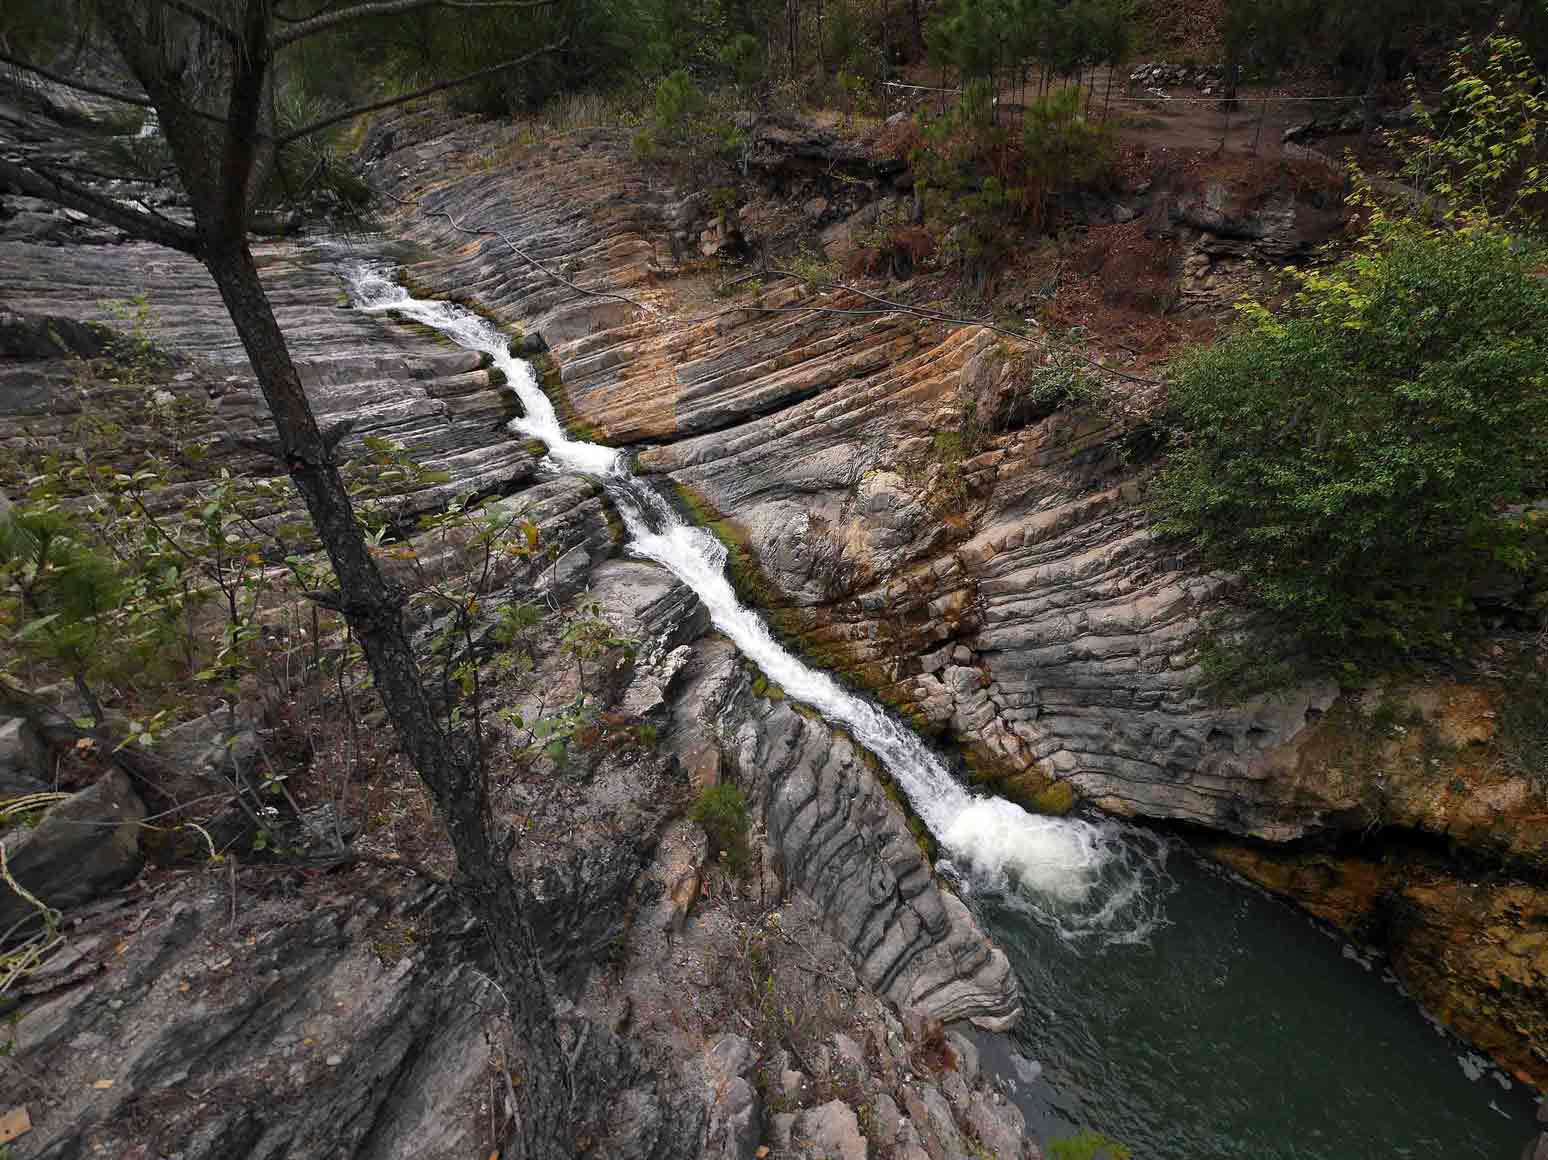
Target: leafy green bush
column 1349, row 456
column 1059, row 379
column 722, row 811
column 1484, row 151
column 58, row 594
column 1062, row 148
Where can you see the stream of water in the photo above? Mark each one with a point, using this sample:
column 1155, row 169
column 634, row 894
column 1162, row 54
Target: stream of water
column 1079, row 878
column 1148, row 983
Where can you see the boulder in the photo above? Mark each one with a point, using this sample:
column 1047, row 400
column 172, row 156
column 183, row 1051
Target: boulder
column 996, row 1124
column 832, row 1131
column 733, row 1102
column 209, row 753
column 85, row 846
column 24, row 764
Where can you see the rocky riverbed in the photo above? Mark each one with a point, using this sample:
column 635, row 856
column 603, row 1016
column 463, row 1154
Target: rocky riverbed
column 997, row 585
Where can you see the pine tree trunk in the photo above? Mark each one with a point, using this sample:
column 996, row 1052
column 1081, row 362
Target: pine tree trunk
column 793, row 33
column 374, row 610
column 220, row 164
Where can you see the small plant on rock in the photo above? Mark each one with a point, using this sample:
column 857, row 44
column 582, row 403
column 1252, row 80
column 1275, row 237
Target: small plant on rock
column 722, row 811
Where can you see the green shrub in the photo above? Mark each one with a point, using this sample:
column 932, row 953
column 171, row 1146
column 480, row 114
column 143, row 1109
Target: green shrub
column 686, row 126
column 1062, row 147
column 722, row 811
column 59, row 598
column 1480, row 153
column 1348, row 457
column 1235, row 666
column 990, row 181
column 1061, row 381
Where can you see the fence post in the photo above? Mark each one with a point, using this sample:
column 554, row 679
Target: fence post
column 1262, row 112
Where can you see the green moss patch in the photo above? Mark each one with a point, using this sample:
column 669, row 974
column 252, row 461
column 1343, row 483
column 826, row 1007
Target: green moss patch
column 549, row 381
column 752, row 584
column 1032, row 789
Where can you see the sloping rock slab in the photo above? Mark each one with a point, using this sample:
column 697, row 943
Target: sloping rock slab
column 279, row 1019
column 83, row 847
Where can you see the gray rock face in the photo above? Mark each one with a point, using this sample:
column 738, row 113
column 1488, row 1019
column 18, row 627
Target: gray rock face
column 997, row 1126
column 321, row 1024
column 1015, row 599
column 307, row 990
column 831, row 1130
column 1053, row 631
column 24, row 759
column 735, row 1109
column 1537, row 1149
column 840, row 840
column 208, row 752
column 391, row 381
column 84, row 846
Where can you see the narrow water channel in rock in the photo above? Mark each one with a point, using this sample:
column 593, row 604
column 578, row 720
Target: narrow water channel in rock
column 1184, row 1015
column 1079, row 877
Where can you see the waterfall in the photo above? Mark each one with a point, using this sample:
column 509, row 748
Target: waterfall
column 1098, row 881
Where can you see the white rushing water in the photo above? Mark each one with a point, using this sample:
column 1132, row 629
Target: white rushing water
column 1087, row 880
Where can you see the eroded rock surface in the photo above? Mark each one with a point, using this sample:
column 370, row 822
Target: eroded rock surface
column 261, row 1027
column 890, row 494
column 1012, row 595
column 837, row 838
column 908, row 515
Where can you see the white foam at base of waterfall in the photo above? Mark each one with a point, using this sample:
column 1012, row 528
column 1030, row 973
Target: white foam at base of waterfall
column 1097, row 880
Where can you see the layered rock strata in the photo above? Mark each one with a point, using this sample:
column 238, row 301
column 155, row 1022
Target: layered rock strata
column 915, row 519
column 1013, row 595
column 382, row 1048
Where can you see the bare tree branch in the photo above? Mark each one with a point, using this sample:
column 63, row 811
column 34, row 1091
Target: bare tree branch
column 326, row 5
column 388, row 102
column 78, row 86
column 327, row 20
column 148, row 226
column 202, row 16
column 94, row 90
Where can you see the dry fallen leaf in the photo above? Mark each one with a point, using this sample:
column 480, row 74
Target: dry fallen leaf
column 763, row 1150
column 102, row 1085
column 184, row 986
column 16, row 1122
